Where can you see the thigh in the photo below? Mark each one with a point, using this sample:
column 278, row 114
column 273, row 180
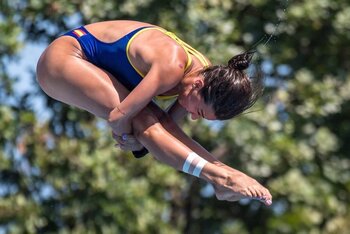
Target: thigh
column 65, row 75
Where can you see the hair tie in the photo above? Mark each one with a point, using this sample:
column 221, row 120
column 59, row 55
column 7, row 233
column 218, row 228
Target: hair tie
column 241, row 61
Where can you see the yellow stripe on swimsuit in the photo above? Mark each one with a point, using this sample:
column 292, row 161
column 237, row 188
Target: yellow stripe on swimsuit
column 187, row 48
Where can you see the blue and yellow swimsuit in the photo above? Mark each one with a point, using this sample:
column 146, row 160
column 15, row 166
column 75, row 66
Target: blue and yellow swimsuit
column 114, row 57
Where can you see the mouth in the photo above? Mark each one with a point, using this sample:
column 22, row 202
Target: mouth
column 180, row 100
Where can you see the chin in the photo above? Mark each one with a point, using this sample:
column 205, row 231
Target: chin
column 183, row 102
column 180, row 100
column 183, row 106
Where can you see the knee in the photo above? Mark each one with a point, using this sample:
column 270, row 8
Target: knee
column 42, row 73
column 49, row 70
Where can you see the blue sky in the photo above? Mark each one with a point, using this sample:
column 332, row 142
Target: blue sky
column 23, row 68
column 28, row 58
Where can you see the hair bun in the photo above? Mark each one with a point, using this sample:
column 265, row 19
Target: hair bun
column 241, row 61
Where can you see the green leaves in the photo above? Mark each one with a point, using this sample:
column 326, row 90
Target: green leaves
column 65, row 175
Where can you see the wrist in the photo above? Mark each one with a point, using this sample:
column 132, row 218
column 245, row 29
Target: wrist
column 197, row 166
column 115, row 115
column 120, row 110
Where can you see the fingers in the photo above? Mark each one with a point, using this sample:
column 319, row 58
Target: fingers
column 125, row 138
column 127, row 142
column 129, row 147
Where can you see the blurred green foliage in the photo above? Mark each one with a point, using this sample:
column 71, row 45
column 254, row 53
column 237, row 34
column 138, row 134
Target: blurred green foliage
column 65, row 176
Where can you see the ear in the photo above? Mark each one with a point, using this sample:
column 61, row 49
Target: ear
column 198, row 83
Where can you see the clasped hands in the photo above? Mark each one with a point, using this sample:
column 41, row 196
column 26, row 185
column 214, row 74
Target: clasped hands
column 127, row 142
column 121, row 131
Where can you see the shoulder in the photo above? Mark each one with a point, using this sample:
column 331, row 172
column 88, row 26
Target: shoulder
column 164, row 53
column 170, row 60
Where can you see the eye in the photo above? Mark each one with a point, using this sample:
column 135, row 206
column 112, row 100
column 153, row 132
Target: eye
column 199, row 113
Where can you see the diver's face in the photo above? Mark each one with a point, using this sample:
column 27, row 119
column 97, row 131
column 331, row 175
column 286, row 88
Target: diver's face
column 194, row 103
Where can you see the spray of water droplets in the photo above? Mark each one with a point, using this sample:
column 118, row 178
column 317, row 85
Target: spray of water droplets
column 272, row 28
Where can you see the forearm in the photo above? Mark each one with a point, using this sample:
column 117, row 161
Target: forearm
column 171, row 151
column 153, row 84
column 123, row 113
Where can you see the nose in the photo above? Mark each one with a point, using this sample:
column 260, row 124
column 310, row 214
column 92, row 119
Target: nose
column 194, row 116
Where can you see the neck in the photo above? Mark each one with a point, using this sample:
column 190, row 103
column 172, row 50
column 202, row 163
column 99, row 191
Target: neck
column 195, row 67
column 186, row 83
column 189, row 74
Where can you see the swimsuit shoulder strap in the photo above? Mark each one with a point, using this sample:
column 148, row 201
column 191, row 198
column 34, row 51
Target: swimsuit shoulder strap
column 188, row 49
column 131, row 37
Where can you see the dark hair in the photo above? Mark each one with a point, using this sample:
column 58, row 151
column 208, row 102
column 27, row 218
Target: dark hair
column 228, row 89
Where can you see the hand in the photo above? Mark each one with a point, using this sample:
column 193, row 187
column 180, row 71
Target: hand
column 119, row 123
column 127, row 142
column 241, row 186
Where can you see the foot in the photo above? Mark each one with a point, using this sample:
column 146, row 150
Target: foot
column 239, row 185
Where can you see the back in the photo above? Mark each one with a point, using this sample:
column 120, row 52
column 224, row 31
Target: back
column 111, row 31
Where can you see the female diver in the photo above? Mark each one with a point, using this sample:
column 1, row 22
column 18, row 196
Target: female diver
column 114, row 69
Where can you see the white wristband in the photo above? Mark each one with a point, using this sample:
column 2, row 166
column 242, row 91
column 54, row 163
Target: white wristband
column 194, row 164
column 187, row 164
column 197, row 171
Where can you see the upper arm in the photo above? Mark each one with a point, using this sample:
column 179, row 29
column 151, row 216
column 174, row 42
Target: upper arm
column 162, row 76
